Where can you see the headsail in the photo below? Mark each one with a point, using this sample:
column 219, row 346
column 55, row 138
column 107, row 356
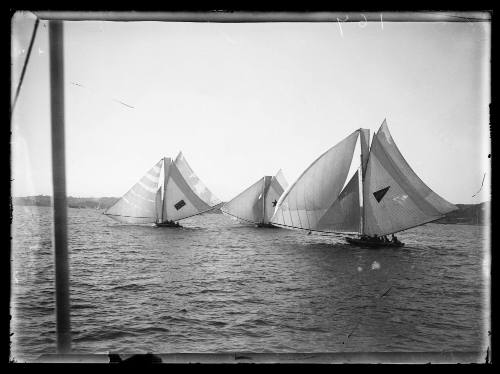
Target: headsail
column 194, row 182
column 257, row 203
column 313, row 194
column 394, row 197
column 247, row 206
column 138, row 204
column 344, row 214
column 280, row 178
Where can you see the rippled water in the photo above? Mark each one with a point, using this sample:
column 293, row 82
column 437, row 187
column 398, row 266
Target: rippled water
column 219, row 286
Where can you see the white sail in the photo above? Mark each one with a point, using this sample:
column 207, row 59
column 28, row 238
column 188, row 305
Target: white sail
column 365, row 147
column 257, row 203
column 344, row 215
column 138, row 205
column 394, row 197
column 248, row 205
column 159, row 205
column 280, row 178
column 194, row 182
column 277, row 186
column 305, row 203
column 179, row 200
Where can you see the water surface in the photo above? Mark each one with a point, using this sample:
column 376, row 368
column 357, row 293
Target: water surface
column 219, row 286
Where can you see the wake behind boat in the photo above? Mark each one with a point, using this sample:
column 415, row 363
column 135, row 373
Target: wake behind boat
column 169, row 192
column 392, row 199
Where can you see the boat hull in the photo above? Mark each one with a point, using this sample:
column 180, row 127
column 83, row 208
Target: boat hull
column 267, row 225
column 167, row 224
column 372, row 244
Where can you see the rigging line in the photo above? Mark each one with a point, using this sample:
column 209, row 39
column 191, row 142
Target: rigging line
column 420, row 224
column 326, row 232
column 196, row 214
column 239, row 218
column 33, row 35
column 481, row 186
column 121, row 215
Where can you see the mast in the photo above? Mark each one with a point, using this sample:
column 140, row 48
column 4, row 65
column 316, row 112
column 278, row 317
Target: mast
column 364, row 141
column 361, row 202
column 263, row 201
column 361, row 179
column 165, row 176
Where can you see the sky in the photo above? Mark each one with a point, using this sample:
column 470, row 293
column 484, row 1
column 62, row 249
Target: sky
column 243, row 100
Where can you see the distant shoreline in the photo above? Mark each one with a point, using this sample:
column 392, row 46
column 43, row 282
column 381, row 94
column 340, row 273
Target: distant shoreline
column 467, row 214
column 96, row 203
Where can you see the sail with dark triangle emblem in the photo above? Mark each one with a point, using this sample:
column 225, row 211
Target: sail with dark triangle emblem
column 395, row 198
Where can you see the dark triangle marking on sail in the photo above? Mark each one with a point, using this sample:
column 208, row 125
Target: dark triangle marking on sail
column 408, row 203
column 379, row 195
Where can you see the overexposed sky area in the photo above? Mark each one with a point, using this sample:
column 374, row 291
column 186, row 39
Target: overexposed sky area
column 242, row 100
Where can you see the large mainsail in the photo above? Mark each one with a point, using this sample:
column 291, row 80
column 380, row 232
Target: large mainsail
column 394, row 197
column 310, row 201
column 138, row 205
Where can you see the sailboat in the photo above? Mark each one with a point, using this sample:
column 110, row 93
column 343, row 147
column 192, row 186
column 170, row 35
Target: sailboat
column 383, row 197
column 256, row 204
column 169, row 192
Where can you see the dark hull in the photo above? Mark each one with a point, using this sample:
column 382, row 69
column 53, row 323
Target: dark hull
column 267, row 225
column 372, row 243
column 167, row 224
